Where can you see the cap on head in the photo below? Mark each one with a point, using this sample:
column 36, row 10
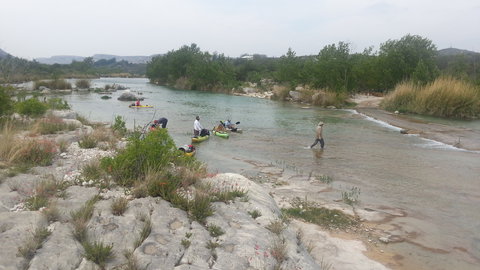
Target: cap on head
column 198, row 117
column 320, row 123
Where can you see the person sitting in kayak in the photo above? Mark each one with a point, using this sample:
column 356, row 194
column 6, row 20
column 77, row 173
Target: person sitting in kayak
column 197, row 127
column 220, row 127
column 229, row 125
column 137, row 103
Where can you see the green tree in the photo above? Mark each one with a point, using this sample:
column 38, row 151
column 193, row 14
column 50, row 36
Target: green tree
column 333, row 67
column 400, row 58
column 289, row 68
column 6, row 103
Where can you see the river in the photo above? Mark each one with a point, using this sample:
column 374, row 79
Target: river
column 436, row 187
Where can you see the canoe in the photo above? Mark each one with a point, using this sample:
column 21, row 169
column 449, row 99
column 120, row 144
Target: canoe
column 222, row 134
column 141, row 106
column 200, row 138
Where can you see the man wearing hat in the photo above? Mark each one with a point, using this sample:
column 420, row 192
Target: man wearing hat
column 319, row 138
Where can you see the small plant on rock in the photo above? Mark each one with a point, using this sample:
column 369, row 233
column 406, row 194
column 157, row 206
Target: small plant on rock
column 98, row 252
column 33, row 243
column 215, row 230
column 255, row 214
column 119, row 206
column 88, row 141
column 276, row 227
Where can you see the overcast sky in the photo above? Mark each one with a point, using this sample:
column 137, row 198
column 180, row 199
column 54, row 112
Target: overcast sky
column 43, row 28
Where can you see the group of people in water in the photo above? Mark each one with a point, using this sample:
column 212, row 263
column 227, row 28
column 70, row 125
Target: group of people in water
column 198, row 129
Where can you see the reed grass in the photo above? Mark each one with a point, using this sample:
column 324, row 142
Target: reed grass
column 444, row 97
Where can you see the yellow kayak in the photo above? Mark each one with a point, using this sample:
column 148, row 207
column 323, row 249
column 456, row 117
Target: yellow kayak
column 200, row 138
column 141, row 106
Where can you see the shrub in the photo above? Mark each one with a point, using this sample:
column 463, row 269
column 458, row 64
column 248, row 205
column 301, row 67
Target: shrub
column 58, row 104
column 31, row 107
column 83, row 83
column 119, row 206
column 119, row 126
column 6, row 103
column 155, row 152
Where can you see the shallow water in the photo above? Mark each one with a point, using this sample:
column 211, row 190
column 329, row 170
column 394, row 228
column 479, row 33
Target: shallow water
column 437, row 187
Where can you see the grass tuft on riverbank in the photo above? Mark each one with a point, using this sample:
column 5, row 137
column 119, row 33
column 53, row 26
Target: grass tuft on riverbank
column 445, row 97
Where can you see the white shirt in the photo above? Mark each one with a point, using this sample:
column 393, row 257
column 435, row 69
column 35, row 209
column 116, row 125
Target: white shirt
column 197, row 125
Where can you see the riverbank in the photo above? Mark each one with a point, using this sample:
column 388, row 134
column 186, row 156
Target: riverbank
column 245, row 241
column 458, row 137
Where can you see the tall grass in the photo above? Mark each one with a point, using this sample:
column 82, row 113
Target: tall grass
column 52, row 125
column 55, row 84
column 445, row 97
column 83, row 83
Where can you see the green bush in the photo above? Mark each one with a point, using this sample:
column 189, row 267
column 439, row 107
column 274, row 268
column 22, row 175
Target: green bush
column 119, row 126
column 31, row 107
column 155, row 152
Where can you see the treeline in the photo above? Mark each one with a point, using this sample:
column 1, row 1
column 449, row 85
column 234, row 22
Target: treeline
column 14, row 69
column 335, row 67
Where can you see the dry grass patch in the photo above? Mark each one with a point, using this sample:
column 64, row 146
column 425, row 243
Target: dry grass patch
column 51, row 125
column 445, row 97
column 119, row 206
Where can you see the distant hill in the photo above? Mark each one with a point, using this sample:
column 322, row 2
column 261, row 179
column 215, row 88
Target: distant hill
column 455, row 51
column 3, row 53
column 59, row 59
column 68, row 59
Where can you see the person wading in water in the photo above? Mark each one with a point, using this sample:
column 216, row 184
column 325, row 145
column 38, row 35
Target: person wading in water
column 319, row 138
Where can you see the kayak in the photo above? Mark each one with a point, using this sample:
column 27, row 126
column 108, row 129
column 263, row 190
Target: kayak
column 141, row 106
column 190, row 154
column 222, row 134
column 237, row 130
column 200, row 138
